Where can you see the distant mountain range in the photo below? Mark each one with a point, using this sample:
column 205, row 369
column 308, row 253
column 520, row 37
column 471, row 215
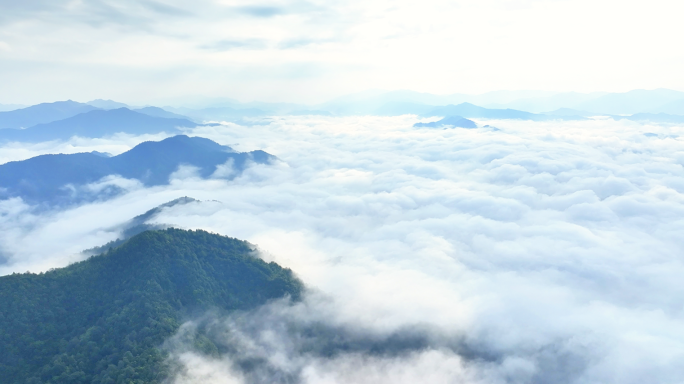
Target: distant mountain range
column 654, row 118
column 158, row 112
column 525, row 105
column 597, row 103
column 632, row 102
column 42, row 113
column 11, row 107
column 104, row 320
column 532, row 105
column 473, row 111
column 99, row 123
column 107, row 104
column 60, row 179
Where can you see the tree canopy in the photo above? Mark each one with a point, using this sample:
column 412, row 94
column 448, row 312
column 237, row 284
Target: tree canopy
column 103, row 320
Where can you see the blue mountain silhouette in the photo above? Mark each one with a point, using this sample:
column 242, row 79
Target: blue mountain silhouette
column 42, row 113
column 58, row 179
column 468, row 110
column 449, row 121
column 97, row 123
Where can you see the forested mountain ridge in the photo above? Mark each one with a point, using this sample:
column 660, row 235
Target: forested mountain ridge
column 104, row 319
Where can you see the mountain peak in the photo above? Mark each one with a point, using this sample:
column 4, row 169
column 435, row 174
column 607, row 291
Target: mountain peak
column 41, row 179
column 96, row 123
column 106, row 104
column 449, row 121
column 42, row 113
column 152, row 281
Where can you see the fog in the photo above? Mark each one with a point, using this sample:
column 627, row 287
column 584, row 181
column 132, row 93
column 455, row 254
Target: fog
column 542, row 252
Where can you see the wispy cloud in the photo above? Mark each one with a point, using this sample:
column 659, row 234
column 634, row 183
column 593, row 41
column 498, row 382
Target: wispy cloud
column 227, row 45
column 139, row 14
column 259, row 11
column 427, row 46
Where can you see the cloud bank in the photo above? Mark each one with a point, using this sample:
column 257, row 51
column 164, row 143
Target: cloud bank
column 543, row 252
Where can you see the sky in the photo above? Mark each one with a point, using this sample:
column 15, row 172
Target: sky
column 539, row 252
column 159, row 52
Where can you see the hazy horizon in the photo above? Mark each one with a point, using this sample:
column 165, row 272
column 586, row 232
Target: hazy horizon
column 202, row 101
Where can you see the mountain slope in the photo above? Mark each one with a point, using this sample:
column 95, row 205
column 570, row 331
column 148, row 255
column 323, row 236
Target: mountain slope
column 102, row 320
column 673, row 108
column 42, row 113
column 565, row 112
column 55, row 179
column 159, row 112
column 468, row 110
column 632, row 102
column 548, row 103
column 11, row 107
column 654, row 118
column 139, row 224
column 449, row 121
column 96, row 123
column 410, row 102
column 106, row 104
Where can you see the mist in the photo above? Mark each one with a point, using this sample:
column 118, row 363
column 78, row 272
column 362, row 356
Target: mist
column 542, row 252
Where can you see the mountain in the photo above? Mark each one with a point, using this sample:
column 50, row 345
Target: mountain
column 106, row 104
column 654, row 118
column 449, row 121
column 673, row 108
column 398, row 108
column 103, row 320
column 61, row 179
column 224, row 113
column 97, row 123
column 42, row 113
column 140, row 224
column 631, row 102
column 158, row 112
column 568, row 112
column 393, row 103
column 11, row 107
column 540, row 104
column 473, row 111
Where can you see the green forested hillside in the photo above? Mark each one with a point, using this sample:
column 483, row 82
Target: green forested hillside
column 103, row 320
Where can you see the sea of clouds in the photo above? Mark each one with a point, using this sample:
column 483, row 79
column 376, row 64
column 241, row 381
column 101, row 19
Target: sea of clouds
column 540, row 252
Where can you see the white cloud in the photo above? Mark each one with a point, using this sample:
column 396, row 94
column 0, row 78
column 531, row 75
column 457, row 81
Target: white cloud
column 313, row 50
column 555, row 246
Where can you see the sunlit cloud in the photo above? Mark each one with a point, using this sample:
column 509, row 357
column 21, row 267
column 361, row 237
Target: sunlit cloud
column 165, row 51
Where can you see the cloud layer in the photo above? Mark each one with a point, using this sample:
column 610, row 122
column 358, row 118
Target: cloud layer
column 541, row 249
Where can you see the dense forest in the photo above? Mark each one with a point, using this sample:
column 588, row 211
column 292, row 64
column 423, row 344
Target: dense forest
column 103, row 320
